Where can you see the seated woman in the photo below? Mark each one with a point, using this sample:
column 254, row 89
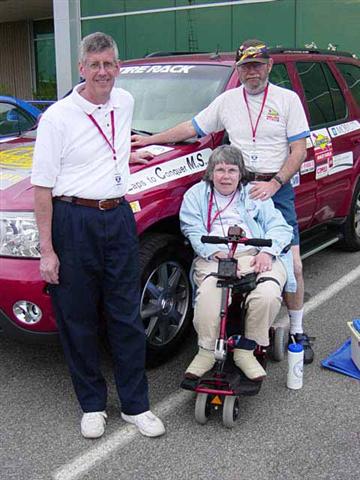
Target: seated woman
column 209, row 208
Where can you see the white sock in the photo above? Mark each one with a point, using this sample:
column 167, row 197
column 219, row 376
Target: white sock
column 296, row 321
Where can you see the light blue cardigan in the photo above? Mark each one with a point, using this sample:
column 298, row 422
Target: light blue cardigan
column 263, row 219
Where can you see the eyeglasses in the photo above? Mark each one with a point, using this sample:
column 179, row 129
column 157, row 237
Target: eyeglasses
column 96, row 66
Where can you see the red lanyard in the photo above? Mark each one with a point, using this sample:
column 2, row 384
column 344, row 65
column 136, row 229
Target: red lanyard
column 253, row 129
column 210, row 221
column 112, row 143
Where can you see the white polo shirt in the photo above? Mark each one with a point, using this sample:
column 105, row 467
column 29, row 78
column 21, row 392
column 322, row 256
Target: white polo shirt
column 282, row 121
column 72, row 157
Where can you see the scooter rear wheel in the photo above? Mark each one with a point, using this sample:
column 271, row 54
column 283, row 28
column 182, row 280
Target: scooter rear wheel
column 279, row 346
column 230, row 410
column 202, row 408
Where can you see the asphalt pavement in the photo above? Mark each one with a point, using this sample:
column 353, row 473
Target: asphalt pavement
column 311, row 434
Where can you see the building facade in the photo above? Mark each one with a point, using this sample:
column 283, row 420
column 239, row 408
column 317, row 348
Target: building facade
column 47, row 47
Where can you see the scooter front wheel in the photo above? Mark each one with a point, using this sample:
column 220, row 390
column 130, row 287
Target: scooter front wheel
column 231, row 410
column 202, row 408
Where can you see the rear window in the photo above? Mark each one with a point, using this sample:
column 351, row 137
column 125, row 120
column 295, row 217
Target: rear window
column 351, row 73
column 323, row 95
column 166, row 95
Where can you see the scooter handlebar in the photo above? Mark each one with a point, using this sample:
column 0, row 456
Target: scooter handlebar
column 259, row 242
column 213, row 239
column 255, row 242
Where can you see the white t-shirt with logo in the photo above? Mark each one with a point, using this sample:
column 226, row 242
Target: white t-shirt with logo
column 282, row 121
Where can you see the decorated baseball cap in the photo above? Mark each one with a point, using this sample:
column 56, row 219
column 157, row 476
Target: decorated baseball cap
column 252, row 51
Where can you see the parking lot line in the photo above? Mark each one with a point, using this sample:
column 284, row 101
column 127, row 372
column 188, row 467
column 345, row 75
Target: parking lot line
column 331, row 290
column 97, row 454
column 103, row 448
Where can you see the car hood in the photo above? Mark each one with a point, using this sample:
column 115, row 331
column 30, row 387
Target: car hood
column 16, row 155
column 15, row 168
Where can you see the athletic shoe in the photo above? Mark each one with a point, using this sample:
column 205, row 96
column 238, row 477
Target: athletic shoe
column 147, row 423
column 93, row 424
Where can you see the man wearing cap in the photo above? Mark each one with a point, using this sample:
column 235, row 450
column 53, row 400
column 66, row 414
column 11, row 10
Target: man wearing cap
column 269, row 125
column 88, row 240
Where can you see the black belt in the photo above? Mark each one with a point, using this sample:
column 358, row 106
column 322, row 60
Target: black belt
column 106, row 204
column 262, row 177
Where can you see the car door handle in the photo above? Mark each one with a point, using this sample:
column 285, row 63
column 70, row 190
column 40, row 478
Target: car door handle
column 356, row 141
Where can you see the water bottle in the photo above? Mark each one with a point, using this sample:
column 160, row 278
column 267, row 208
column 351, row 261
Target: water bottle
column 295, row 366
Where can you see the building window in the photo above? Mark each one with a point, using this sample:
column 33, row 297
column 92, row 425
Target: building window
column 45, row 67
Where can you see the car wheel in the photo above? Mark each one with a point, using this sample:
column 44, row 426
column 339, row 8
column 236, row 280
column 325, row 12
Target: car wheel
column 166, row 297
column 351, row 228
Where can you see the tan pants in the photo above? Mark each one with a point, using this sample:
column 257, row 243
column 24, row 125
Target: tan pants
column 263, row 303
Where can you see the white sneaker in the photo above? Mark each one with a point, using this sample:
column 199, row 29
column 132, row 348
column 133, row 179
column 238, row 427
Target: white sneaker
column 93, row 424
column 147, row 423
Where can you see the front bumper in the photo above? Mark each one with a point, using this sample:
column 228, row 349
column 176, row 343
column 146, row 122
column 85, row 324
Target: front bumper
column 12, row 330
column 20, row 281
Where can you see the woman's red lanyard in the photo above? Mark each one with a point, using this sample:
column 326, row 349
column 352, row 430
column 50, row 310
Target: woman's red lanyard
column 112, row 143
column 253, row 129
column 210, row 221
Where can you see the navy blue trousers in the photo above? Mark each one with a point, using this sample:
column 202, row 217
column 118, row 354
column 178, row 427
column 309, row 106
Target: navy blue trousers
column 99, row 265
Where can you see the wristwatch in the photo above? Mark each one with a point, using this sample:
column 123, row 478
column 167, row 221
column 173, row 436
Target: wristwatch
column 278, row 179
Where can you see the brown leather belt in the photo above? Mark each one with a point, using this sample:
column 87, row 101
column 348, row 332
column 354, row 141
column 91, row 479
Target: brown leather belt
column 262, row 177
column 106, row 204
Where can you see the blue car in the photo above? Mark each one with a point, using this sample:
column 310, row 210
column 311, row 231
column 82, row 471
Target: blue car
column 16, row 116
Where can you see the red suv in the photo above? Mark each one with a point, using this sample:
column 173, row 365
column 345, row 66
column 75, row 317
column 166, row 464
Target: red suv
column 168, row 90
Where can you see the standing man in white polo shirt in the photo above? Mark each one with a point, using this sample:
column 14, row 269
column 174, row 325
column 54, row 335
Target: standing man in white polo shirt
column 88, row 240
column 268, row 124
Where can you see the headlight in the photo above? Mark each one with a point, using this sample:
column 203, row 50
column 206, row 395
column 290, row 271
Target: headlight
column 19, row 235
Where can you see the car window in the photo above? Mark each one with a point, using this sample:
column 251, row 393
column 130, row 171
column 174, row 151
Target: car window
column 351, row 73
column 323, row 95
column 279, row 76
column 166, row 95
column 14, row 120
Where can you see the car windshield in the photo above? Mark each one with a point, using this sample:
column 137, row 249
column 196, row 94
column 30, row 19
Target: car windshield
column 14, row 120
column 166, row 95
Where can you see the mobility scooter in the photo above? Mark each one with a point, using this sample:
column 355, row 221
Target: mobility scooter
column 224, row 383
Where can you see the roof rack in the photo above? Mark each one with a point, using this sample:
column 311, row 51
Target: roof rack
column 286, row 50
column 161, row 53
column 310, row 50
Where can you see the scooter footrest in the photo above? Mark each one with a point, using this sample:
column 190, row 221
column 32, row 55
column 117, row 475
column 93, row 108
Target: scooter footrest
column 247, row 388
column 189, row 384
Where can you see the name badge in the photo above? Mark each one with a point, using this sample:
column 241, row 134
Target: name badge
column 117, row 179
column 254, row 157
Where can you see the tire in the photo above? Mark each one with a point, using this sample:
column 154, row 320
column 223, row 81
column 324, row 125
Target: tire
column 202, row 408
column 279, row 345
column 230, row 410
column 351, row 228
column 166, row 297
